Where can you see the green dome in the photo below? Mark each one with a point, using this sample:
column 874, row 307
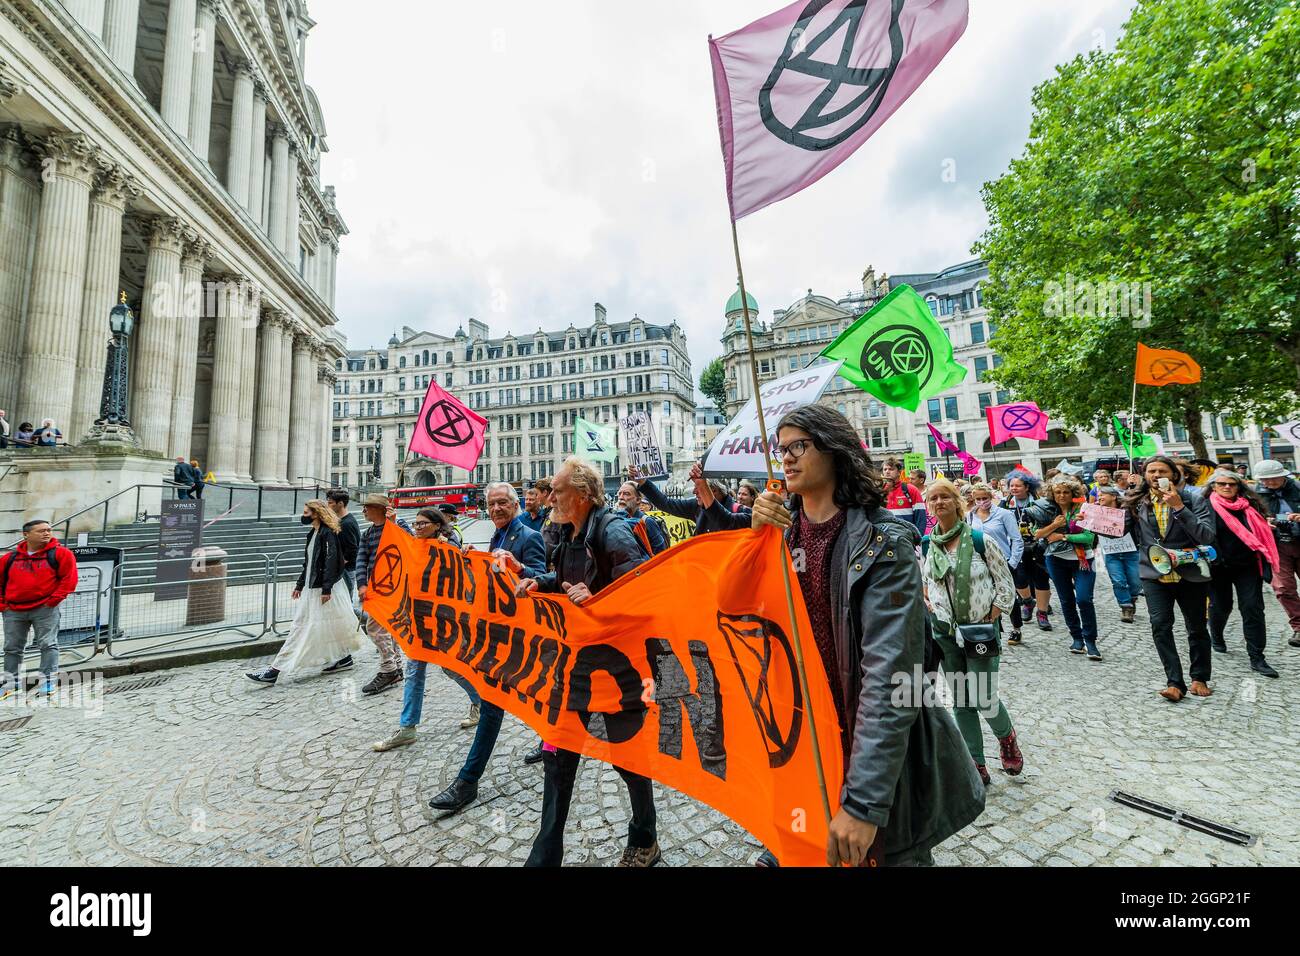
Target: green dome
column 734, row 305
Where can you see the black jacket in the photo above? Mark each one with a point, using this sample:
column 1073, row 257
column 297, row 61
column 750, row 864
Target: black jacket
column 604, row 550
column 1190, row 527
column 326, row 565
column 1284, row 500
column 687, row 508
column 908, row 769
column 349, row 538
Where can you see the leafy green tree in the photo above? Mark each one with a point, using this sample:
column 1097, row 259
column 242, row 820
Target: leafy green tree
column 1172, row 163
column 713, row 383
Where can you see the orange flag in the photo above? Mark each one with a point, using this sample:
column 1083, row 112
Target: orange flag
column 682, row 671
column 1166, row 367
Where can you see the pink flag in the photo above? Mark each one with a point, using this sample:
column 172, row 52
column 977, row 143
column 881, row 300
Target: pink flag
column 448, row 431
column 1017, row 420
column 970, row 465
column 801, row 89
column 945, row 447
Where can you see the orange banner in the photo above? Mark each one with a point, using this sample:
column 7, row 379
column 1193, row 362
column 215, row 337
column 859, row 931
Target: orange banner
column 683, row 670
column 1166, row 367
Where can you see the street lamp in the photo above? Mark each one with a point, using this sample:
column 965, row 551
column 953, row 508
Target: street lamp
column 112, row 424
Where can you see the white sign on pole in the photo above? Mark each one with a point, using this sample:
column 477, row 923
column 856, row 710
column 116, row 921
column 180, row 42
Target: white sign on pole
column 643, row 452
column 740, row 448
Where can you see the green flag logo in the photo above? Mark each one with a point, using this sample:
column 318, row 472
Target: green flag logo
column 895, row 350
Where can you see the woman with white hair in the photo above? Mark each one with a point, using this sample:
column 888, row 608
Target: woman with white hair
column 48, row 435
column 323, row 630
column 1247, row 557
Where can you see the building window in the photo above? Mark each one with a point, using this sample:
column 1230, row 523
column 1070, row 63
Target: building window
column 933, row 303
column 986, row 399
column 976, row 333
column 879, row 437
column 981, row 367
column 934, row 410
column 934, row 449
column 950, row 407
column 1004, row 396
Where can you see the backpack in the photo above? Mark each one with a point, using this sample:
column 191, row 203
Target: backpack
column 50, row 559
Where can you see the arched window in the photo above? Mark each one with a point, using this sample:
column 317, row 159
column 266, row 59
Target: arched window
column 449, row 358
column 433, row 359
column 401, row 361
column 1058, row 438
column 426, row 357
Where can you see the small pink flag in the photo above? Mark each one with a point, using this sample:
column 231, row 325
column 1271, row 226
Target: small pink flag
column 801, row 89
column 945, row 447
column 1017, row 420
column 447, row 430
column 970, row 465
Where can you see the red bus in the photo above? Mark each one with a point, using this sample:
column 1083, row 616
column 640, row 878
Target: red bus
column 462, row 497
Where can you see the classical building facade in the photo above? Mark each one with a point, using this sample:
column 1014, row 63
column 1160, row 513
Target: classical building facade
column 530, row 388
column 169, row 150
column 795, row 335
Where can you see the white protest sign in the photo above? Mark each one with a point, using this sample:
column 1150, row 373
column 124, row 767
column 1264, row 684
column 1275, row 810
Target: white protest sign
column 1289, row 431
column 643, row 452
column 740, row 448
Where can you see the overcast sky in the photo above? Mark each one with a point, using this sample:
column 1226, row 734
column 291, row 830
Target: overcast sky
column 518, row 161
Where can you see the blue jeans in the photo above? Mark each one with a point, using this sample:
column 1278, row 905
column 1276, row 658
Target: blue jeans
column 41, row 623
column 350, row 579
column 1074, row 588
column 485, row 738
column 413, row 691
column 1124, row 579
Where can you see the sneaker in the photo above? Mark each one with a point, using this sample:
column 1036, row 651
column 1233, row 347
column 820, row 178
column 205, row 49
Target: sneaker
column 1013, row 761
column 1014, row 639
column 47, row 687
column 1219, row 646
column 382, row 681
column 1126, row 613
column 1261, row 667
column 342, row 664
column 984, row 774
column 9, row 692
column 1093, row 653
column 1043, row 623
column 1076, row 647
column 404, row 736
column 641, row 855
column 1294, row 639
column 471, row 719
column 268, row 676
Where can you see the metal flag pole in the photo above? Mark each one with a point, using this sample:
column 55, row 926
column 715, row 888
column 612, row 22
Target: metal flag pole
column 1132, row 415
column 774, row 484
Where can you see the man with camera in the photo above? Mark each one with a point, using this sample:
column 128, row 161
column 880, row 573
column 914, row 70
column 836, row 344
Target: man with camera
column 1281, row 493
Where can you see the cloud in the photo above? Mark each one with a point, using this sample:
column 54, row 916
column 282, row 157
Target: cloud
column 517, row 162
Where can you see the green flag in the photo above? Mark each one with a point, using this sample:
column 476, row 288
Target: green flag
column 594, row 442
column 1135, row 443
column 895, row 343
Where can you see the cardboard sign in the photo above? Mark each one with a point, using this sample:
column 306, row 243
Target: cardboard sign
column 643, row 452
column 740, row 448
column 1102, row 520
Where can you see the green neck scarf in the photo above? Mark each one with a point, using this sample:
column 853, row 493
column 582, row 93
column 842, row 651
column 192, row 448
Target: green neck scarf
column 942, row 565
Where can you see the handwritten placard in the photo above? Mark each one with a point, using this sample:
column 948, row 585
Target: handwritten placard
column 1102, row 520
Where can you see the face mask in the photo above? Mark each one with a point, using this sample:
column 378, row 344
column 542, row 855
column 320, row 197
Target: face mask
column 305, row 520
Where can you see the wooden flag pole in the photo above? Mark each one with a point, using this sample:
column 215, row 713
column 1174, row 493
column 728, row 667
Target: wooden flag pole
column 1132, row 414
column 773, row 484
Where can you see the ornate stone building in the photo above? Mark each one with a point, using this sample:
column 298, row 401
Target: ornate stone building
column 170, row 150
column 530, row 388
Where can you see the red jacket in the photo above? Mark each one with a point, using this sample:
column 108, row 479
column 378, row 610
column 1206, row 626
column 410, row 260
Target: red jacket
column 28, row 580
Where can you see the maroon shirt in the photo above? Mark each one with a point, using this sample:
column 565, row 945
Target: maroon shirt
column 817, row 542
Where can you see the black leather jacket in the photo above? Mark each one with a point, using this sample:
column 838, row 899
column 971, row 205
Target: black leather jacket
column 326, row 564
column 908, row 769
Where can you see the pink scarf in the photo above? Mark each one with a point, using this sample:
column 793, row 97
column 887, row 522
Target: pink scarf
column 1255, row 534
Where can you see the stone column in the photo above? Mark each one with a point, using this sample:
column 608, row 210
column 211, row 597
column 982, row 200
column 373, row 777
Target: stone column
column 201, row 83
column 49, row 354
column 248, row 382
column 284, row 405
column 292, row 211
column 257, row 154
column 266, row 441
column 300, row 410
column 113, row 188
column 90, row 14
column 178, row 66
column 197, row 254
column 120, row 25
column 154, row 344
column 223, row 442
column 334, row 272
column 241, row 134
column 279, row 185
column 321, row 416
column 20, row 202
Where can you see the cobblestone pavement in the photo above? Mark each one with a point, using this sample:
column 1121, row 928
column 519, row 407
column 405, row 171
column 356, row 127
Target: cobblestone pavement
column 209, row 769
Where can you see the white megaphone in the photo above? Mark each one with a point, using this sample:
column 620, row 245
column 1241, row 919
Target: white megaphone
column 1165, row 560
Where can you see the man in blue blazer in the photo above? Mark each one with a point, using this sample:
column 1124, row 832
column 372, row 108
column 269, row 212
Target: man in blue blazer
column 520, row 549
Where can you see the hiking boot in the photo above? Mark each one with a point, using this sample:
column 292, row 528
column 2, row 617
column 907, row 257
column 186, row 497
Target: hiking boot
column 458, row 796
column 1126, row 613
column 267, row 676
column 382, row 681
column 404, row 736
column 1014, row 640
column 984, row 774
column 1261, row 667
column 1013, row 761
column 470, row 719
column 342, row 664
column 1043, row 623
column 641, row 855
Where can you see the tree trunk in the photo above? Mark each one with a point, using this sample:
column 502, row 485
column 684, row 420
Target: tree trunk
column 1192, row 422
